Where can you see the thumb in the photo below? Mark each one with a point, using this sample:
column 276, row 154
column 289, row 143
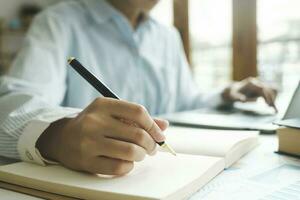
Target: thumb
column 162, row 124
column 239, row 97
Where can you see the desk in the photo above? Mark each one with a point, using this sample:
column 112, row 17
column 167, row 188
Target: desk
column 259, row 160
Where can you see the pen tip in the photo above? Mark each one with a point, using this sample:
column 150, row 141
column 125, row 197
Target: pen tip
column 70, row 59
column 170, row 149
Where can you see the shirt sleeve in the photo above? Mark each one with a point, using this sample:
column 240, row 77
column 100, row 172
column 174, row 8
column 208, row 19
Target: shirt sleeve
column 189, row 96
column 33, row 90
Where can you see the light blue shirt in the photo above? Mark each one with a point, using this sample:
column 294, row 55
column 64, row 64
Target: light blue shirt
column 146, row 65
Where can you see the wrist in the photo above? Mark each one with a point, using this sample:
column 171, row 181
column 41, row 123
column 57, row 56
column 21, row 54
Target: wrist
column 226, row 97
column 49, row 142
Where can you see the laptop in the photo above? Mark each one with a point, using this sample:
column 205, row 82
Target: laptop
column 240, row 117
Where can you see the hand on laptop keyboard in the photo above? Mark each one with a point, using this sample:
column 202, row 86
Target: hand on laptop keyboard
column 249, row 90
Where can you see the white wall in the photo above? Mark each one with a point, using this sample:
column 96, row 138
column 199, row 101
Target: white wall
column 9, row 8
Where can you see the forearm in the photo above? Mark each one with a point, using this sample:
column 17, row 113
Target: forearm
column 23, row 119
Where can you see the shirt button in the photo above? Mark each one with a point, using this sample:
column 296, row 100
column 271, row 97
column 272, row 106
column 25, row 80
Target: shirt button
column 29, row 156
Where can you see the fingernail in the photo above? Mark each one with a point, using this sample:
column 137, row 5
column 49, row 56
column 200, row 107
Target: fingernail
column 167, row 122
column 160, row 137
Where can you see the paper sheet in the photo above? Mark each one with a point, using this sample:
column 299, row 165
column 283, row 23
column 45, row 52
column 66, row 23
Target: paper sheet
column 157, row 177
column 280, row 183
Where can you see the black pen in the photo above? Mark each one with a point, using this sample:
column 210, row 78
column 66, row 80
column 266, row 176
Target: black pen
column 103, row 89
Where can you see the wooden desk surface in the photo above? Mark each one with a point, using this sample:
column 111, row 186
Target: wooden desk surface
column 236, row 178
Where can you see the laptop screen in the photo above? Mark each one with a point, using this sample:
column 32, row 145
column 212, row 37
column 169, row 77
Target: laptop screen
column 293, row 110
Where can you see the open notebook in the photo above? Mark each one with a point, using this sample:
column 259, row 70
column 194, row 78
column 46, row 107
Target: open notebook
column 229, row 145
column 162, row 176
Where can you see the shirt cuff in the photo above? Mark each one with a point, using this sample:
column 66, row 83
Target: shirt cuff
column 34, row 129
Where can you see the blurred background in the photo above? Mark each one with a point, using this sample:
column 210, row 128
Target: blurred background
column 224, row 40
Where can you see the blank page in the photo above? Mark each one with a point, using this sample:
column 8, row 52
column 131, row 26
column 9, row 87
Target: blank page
column 163, row 176
column 219, row 143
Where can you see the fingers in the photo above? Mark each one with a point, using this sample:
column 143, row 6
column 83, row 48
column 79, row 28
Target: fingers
column 140, row 116
column 232, row 93
column 257, row 89
column 99, row 142
column 120, row 150
column 269, row 97
column 108, row 166
column 253, row 88
column 133, row 112
column 266, row 95
column 128, row 133
column 162, row 124
column 236, row 96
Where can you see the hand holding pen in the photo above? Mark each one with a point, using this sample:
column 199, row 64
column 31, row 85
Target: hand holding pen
column 98, row 142
column 106, row 92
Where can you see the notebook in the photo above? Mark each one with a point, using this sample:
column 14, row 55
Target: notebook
column 229, row 145
column 203, row 154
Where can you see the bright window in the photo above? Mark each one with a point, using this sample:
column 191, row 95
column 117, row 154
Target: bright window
column 279, row 41
column 211, row 33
